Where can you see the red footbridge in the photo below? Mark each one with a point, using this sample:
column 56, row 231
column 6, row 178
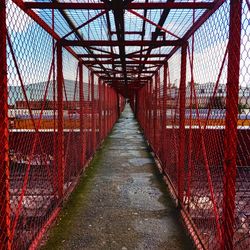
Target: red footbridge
column 67, row 68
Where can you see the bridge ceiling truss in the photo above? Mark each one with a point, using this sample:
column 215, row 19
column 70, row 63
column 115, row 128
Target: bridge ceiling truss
column 124, row 41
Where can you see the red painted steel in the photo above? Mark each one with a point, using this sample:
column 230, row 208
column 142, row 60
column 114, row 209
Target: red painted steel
column 182, row 108
column 192, row 103
column 97, row 6
column 87, row 43
column 4, row 135
column 81, row 99
column 60, row 135
column 231, row 122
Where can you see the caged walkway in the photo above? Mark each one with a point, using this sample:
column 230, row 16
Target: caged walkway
column 66, row 70
column 121, row 202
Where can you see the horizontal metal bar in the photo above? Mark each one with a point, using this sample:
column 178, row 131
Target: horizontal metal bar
column 126, row 62
column 120, row 72
column 122, row 78
column 99, row 6
column 117, row 56
column 88, row 43
column 128, row 33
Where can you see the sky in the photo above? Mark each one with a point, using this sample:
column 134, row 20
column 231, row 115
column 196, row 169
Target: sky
column 33, row 49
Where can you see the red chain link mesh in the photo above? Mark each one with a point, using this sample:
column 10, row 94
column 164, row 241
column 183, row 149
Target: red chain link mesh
column 192, row 112
column 213, row 192
column 34, row 181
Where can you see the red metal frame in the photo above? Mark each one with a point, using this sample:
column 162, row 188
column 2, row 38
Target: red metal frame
column 4, row 136
column 60, row 134
column 182, row 108
column 97, row 6
column 230, row 138
column 170, row 115
column 93, row 108
column 81, row 98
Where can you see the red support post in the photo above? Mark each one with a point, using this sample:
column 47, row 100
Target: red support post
column 150, row 110
column 60, row 140
column 136, row 104
column 4, row 136
column 93, row 125
column 100, row 108
column 118, row 105
column 164, row 112
column 154, row 111
column 104, row 109
column 110, row 117
column 182, row 89
column 230, row 141
column 81, row 98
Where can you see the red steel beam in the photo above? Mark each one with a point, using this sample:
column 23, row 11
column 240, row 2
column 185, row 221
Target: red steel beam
column 98, row 56
column 127, row 32
column 164, row 112
column 93, row 124
column 102, row 43
column 4, row 136
column 60, row 139
column 127, row 62
column 81, row 98
column 100, row 6
column 120, row 72
column 121, row 78
column 117, row 56
column 85, row 23
column 181, row 162
column 230, row 141
column 100, row 108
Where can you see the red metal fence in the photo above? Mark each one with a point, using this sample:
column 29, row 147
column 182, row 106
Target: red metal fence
column 195, row 114
column 54, row 115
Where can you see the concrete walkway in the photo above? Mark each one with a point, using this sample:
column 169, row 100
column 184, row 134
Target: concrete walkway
column 121, row 202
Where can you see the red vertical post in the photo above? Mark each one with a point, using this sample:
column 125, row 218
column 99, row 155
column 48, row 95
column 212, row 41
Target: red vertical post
column 100, row 108
column 136, row 104
column 108, row 102
column 182, row 89
column 150, row 110
column 164, row 112
column 230, row 141
column 4, row 136
column 155, row 111
column 60, row 140
column 81, row 99
column 93, row 125
column 147, row 109
column 104, row 109
column 118, row 105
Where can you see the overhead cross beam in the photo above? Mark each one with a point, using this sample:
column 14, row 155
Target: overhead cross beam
column 74, row 29
column 153, row 44
column 120, row 62
column 135, row 6
column 120, row 29
column 120, row 72
column 117, row 56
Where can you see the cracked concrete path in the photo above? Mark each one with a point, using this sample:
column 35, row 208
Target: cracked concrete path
column 121, row 201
